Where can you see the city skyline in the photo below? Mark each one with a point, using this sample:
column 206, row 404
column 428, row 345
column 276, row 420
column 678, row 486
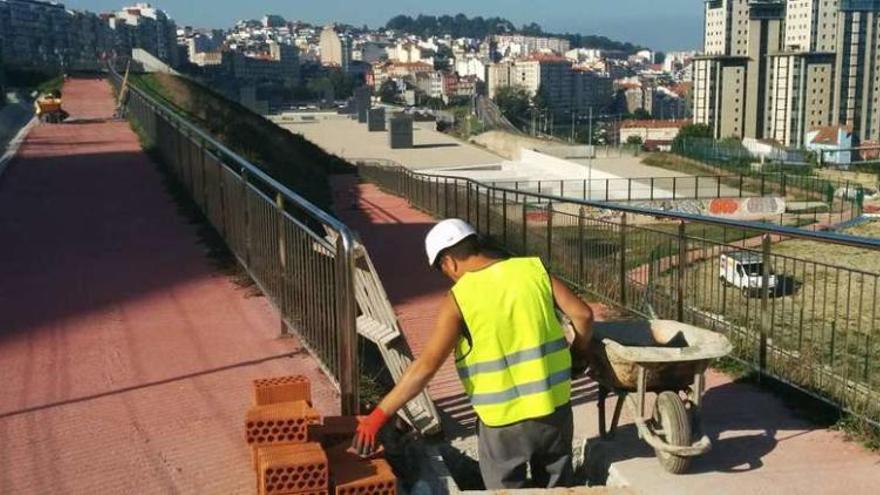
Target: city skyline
column 667, row 25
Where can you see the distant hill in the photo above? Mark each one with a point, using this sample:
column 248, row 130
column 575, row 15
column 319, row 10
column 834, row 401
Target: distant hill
column 462, row 26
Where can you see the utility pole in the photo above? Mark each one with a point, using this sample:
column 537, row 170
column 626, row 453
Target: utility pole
column 590, row 142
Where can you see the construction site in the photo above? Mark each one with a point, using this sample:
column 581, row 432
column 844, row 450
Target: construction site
column 179, row 318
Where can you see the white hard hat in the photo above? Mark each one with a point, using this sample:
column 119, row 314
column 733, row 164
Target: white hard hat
column 446, row 234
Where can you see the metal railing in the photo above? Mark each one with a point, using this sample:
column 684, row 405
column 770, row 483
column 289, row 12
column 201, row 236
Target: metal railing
column 301, row 257
column 805, row 319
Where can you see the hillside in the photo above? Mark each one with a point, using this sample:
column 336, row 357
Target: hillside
column 290, row 159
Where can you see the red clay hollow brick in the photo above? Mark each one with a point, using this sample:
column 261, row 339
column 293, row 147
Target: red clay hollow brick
column 293, row 468
column 285, row 422
column 351, row 475
column 336, row 430
column 281, row 389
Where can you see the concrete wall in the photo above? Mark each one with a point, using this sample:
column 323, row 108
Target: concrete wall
column 151, row 63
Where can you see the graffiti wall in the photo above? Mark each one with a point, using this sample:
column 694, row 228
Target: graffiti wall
column 733, row 208
column 745, row 208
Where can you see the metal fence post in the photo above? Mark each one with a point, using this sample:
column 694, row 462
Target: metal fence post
column 504, row 217
column 467, row 201
column 282, row 260
column 247, row 216
column 580, row 248
column 346, row 313
column 455, row 197
column 490, row 196
column 681, row 272
column 549, row 232
column 446, row 197
column 765, row 301
column 525, row 227
column 623, row 259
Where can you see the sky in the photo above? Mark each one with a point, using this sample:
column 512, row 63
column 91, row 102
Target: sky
column 658, row 24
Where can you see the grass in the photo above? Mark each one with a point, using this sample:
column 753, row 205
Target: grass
column 823, row 317
column 798, row 187
column 295, row 162
column 676, row 163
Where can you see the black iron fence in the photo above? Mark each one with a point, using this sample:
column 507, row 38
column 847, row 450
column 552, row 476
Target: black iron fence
column 791, row 312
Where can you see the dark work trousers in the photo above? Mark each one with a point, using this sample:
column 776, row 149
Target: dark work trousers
column 544, row 444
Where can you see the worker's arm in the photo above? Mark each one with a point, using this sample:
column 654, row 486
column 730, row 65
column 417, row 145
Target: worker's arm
column 446, row 333
column 579, row 312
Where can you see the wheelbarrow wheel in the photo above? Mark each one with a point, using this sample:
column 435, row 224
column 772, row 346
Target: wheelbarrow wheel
column 670, row 414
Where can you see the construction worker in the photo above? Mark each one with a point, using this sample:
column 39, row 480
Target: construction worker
column 511, row 355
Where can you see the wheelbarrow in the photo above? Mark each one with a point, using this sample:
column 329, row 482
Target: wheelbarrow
column 667, row 358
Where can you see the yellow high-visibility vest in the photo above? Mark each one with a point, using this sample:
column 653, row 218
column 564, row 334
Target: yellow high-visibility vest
column 516, row 364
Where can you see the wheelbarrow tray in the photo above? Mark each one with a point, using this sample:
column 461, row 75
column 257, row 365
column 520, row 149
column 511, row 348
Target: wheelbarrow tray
column 670, row 352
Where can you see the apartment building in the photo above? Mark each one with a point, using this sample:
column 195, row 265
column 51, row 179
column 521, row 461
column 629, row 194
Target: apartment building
column 563, row 88
column 335, row 48
column 149, row 28
column 280, row 65
column 779, row 69
column 44, row 34
column 519, row 45
column 857, row 69
column 730, row 90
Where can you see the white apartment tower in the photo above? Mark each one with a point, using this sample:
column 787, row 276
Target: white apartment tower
column 335, row 48
column 857, row 68
column 778, row 69
column 730, row 91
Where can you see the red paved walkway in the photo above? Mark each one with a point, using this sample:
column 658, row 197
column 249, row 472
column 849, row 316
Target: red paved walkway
column 126, row 357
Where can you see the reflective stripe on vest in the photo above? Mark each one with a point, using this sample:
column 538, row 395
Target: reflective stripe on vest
column 516, row 365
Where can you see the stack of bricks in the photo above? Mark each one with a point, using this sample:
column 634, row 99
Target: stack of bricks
column 296, row 452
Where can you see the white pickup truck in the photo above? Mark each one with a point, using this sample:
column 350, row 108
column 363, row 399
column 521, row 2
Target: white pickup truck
column 745, row 270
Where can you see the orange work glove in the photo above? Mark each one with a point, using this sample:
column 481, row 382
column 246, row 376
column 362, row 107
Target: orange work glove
column 364, row 443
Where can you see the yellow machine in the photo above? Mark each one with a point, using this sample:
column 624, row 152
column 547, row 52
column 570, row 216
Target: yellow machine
column 48, row 108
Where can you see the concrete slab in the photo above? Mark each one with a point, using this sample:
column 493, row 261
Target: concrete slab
column 349, row 139
column 759, row 447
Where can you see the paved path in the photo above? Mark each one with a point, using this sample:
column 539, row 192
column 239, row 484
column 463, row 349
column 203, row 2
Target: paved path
column 126, row 357
column 760, row 445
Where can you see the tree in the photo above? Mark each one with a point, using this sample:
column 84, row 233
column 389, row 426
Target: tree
column 388, row 92
column 433, row 103
column 442, row 57
column 641, row 114
column 635, row 140
column 514, row 102
column 691, row 131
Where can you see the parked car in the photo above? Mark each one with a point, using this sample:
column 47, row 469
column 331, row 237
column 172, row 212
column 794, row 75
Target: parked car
column 745, row 271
